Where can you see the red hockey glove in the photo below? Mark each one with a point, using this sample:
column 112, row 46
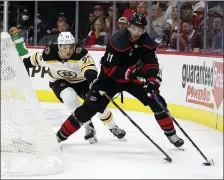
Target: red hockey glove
column 133, row 70
column 153, row 84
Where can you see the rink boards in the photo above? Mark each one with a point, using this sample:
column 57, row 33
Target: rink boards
column 192, row 85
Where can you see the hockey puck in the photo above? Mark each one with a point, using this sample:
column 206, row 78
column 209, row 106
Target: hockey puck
column 209, row 163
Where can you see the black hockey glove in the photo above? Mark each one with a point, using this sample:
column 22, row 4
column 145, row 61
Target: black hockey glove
column 153, row 84
column 95, row 86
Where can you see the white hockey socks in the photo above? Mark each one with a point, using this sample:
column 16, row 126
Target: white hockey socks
column 107, row 118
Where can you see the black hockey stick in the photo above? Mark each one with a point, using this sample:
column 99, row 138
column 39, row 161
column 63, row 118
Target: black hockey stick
column 167, row 158
column 207, row 163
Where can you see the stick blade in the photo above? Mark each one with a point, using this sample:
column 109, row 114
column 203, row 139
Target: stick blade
column 209, row 163
column 168, row 159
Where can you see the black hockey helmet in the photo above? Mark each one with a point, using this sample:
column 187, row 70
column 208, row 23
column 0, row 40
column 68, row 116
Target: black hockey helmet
column 138, row 19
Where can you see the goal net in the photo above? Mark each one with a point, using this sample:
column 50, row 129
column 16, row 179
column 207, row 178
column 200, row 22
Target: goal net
column 28, row 142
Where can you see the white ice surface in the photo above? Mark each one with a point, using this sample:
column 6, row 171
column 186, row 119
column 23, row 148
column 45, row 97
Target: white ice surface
column 137, row 157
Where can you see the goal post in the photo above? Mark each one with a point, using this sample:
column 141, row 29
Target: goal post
column 28, row 141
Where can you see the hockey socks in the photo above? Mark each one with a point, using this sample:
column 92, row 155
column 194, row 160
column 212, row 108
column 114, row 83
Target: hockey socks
column 107, row 118
column 70, row 126
column 166, row 124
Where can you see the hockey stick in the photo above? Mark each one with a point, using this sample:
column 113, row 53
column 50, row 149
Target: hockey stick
column 167, row 158
column 207, row 163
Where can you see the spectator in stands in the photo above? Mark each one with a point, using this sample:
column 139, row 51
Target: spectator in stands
column 26, row 21
column 108, row 26
column 168, row 12
column 187, row 15
column 98, row 34
column 92, row 18
column 217, row 43
column 189, row 39
column 163, row 5
column 111, row 11
column 42, row 27
column 89, row 28
column 98, row 11
column 131, row 10
column 62, row 25
column 200, row 15
column 157, row 21
column 62, row 16
column 216, row 11
column 167, row 32
column 142, row 8
column 174, row 19
column 122, row 23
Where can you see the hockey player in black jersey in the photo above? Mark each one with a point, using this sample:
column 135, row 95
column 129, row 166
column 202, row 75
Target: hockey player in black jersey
column 129, row 54
column 71, row 70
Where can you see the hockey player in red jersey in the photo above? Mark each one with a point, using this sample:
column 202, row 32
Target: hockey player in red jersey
column 129, row 54
column 71, row 70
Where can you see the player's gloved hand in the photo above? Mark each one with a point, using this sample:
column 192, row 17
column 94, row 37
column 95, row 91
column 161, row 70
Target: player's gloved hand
column 94, row 85
column 133, row 70
column 153, row 84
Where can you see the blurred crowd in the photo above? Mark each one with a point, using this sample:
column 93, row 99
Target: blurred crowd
column 198, row 31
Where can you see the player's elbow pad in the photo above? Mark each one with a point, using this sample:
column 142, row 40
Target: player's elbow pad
column 27, row 62
column 90, row 75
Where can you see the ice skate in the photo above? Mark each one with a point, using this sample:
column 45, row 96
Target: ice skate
column 175, row 140
column 118, row 132
column 90, row 135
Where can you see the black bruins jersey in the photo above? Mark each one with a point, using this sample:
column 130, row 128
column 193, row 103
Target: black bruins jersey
column 71, row 70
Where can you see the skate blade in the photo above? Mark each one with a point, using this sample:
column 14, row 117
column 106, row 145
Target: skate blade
column 123, row 139
column 92, row 140
column 180, row 148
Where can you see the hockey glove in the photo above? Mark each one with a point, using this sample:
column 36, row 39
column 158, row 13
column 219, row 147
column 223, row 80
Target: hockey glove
column 132, row 71
column 94, row 86
column 153, row 84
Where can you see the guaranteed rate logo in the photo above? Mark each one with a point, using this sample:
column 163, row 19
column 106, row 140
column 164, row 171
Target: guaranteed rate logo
column 198, row 82
column 218, row 83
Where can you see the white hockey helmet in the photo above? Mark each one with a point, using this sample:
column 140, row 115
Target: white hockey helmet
column 66, row 38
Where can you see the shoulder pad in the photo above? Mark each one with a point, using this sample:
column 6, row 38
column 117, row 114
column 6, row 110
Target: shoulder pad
column 79, row 52
column 80, row 49
column 50, row 52
column 120, row 42
column 147, row 42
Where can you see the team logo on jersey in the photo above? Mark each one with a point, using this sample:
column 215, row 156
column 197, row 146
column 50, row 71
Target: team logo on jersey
column 62, row 84
column 78, row 50
column 93, row 98
column 67, row 74
column 47, row 51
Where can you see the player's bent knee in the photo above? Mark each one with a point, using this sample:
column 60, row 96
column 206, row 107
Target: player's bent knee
column 84, row 113
column 70, row 98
